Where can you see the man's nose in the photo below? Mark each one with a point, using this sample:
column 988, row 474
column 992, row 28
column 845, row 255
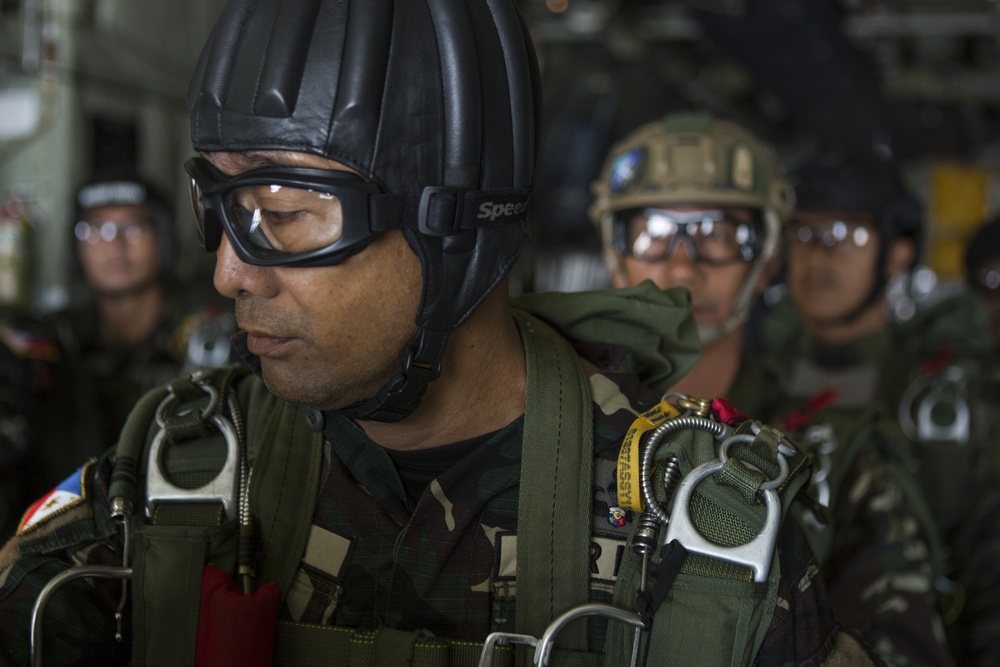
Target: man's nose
column 233, row 276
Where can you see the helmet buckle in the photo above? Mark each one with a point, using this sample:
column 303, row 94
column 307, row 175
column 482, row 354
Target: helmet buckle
column 440, row 211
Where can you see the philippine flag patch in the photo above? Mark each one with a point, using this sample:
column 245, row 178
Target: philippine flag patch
column 70, row 493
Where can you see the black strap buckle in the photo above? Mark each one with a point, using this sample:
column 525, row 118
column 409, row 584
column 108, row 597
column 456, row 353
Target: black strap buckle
column 440, row 210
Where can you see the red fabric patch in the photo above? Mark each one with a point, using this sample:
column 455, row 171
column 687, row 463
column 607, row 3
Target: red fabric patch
column 726, row 413
column 235, row 628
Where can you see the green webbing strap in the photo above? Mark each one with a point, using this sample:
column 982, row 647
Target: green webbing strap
column 173, row 546
column 285, row 482
column 553, row 524
column 308, row 645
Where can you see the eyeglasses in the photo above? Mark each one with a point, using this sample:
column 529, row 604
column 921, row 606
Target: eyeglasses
column 287, row 216
column 987, row 278
column 830, row 234
column 714, row 236
column 92, row 233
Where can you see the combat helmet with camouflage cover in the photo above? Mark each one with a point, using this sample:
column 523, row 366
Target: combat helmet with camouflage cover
column 702, row 159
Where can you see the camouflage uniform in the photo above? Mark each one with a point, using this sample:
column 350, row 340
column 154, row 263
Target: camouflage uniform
column 959, row 484
column 877, row 544
column 440, row 559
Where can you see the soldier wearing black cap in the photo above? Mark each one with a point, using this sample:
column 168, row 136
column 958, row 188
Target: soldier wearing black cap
column 865, row 319
column 407, row 465
column 128, row 325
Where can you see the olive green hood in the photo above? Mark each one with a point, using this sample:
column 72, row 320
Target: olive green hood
column 656, row 325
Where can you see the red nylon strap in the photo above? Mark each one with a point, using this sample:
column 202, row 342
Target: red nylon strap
column 726, row 413
column 796, row 420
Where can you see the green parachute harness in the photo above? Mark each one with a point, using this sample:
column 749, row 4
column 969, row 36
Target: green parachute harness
column 711, row 494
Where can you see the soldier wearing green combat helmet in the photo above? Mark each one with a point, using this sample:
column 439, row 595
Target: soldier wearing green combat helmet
column 696, row 201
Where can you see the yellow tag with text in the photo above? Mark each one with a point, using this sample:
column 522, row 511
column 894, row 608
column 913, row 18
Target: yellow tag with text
column 630, row 458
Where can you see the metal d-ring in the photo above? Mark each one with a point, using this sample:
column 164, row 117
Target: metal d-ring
column 544, row 647
column 38, row 611
column 495, row 639
column 213, row 402
column 944, row 389
column 223, row 488
column 783, row 451
column 755, row 554
column 930, row 430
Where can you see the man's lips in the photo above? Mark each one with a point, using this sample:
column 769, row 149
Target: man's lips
column 816, row 282
column 262, row 344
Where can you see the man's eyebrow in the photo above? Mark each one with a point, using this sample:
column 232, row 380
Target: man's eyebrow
column 258, row 159
column 246, row 160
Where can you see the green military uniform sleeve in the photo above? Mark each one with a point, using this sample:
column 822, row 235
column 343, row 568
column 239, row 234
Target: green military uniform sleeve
column 880, row 573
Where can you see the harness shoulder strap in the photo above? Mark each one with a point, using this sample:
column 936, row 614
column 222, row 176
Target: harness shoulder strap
column 554, row 497
column 285, row 482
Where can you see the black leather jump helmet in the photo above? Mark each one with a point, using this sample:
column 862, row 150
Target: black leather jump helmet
column 861, row 183
column 436, row 100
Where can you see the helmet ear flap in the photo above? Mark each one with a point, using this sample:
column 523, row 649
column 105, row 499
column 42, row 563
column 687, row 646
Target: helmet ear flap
column 904, row 219
column 451, row 291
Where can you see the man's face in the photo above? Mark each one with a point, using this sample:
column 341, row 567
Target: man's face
column 831, row 263
column 118, row 247
column 327, row 336
column 714, row 287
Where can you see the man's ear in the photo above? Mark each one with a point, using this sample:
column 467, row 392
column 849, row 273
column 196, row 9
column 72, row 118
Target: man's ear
column 900, row 256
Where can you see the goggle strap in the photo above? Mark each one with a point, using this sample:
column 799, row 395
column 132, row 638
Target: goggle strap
column 440, row 211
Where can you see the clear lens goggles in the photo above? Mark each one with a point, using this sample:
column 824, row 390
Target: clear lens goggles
column 841, row 234
column 282, row 216
column 130, row 231
column 713, row 236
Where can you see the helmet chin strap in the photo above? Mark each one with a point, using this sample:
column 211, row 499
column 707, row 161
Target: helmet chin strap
column 400, row 396
column 710, row 333
column 748, row 292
